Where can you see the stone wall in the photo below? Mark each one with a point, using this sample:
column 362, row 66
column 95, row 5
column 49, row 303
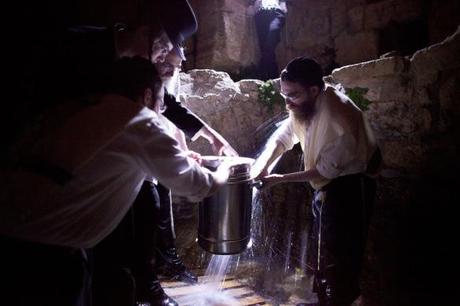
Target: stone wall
column 414, row 111
column 411, row 99
column 231, row 108
column 226, row 36
column 334, row 32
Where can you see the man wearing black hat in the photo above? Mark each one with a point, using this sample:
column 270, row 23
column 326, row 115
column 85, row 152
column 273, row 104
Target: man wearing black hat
column 82, row 176
column 340, row 158
column 85, row 55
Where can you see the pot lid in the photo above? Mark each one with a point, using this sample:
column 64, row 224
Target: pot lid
column 239, row 167
column 213, row 161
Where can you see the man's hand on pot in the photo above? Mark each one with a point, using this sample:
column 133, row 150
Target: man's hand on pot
column 271, row 180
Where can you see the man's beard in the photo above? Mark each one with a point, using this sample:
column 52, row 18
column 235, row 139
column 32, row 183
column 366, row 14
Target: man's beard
column 304, row 112
column 172, row 83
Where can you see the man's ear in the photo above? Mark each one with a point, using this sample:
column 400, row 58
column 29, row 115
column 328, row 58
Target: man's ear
column 314, row 90
column 147, row 98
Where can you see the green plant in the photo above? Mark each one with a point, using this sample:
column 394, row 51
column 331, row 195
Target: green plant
column 269, row 95
column 356, row 94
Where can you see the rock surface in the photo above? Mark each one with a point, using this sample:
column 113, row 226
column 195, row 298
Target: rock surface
column 334, row 32
column 414, row 111
column 232, row 109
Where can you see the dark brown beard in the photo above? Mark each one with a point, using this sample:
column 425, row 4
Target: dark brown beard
column 304, row 114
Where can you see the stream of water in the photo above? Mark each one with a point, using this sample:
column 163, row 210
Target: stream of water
column 212, row 291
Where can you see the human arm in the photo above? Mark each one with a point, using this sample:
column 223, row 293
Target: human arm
column 301, row 176
column 283, row 139
column 159, row 156
column 219, row 145
column 271, row 152
column 194, row 127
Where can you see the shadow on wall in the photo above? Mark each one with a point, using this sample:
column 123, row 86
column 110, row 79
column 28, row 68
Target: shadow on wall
column 404, row 38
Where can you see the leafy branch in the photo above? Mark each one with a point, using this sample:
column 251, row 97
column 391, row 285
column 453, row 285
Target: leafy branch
column 269, row 95
column 356, row 94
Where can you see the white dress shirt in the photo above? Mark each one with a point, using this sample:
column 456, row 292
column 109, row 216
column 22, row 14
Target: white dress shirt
column 86, row 209
column 337, row 141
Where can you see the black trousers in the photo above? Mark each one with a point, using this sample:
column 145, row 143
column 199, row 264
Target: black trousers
column 112, row 260
column 165, row 234
column 341, row 212
column 42, row 275
column 125, row 262
column 268, row 27
column 153, row 228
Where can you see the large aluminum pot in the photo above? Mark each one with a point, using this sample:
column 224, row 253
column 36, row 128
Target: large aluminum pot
column 225, row 217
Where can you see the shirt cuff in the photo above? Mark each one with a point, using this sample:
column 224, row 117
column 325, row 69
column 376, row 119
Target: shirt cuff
column 197, row 134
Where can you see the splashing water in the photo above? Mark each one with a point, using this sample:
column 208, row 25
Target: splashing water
column 212, row 291
column 216, row 271
column 274, row 263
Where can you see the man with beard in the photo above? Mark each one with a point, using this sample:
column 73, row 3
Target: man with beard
column 340, row 156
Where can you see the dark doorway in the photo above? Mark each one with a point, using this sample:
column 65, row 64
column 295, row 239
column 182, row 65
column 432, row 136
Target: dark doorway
column 405, row 38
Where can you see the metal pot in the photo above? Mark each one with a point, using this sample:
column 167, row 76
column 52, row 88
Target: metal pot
column 225, row 217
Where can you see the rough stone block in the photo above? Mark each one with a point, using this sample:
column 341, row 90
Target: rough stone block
column 355, row 48
column 309, row 28
column 356, row 19
column 380, row 14
column 403, row 154
column 353, row 3
column 449, row 97
column 427, row 63
column 230, row 108
column 398, row 119
column 377, row 68
column 338, row 17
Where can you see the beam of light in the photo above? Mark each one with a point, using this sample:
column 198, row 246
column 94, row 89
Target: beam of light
column 211, row 291
column 264, row 155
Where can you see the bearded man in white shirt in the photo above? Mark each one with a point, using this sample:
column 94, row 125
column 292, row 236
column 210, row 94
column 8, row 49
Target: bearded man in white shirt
column 340, row 156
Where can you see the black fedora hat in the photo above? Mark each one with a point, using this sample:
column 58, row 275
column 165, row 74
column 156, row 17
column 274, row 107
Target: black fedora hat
column 178, row 21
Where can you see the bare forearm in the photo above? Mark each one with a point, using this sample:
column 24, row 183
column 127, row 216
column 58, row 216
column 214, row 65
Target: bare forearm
column 272, row 151
column 301, row 176
column 277, row 151
column 206, row 133
column 219, row 144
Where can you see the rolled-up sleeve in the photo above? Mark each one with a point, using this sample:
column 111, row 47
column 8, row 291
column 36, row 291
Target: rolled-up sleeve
column 285, row 135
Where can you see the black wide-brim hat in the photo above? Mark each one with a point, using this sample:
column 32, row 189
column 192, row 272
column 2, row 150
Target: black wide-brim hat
column 178, row 21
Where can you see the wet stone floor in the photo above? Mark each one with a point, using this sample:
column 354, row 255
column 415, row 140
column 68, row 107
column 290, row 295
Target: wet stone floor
column 230, row 292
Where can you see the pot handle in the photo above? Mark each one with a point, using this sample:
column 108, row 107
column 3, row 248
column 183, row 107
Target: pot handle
column 257, row 184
